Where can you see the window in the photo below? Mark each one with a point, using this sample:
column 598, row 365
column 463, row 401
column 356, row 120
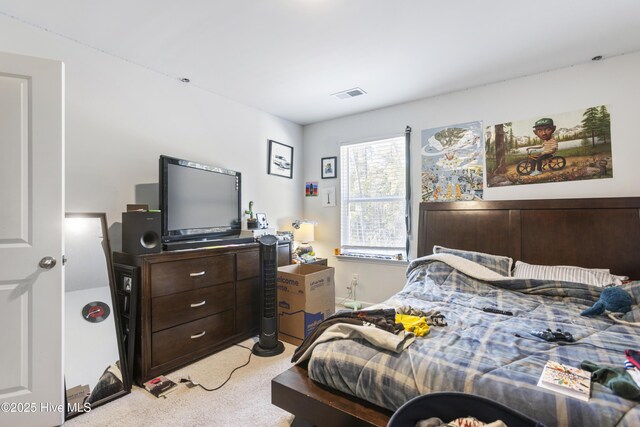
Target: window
column 374, row 199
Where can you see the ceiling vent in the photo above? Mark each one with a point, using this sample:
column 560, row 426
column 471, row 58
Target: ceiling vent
column 350, row 93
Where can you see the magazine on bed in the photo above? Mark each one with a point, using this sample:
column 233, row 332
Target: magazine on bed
column 573, row 382
column 160, row 386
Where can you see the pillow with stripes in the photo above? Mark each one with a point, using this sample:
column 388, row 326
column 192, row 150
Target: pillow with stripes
column 499, row 264
column 566, row 273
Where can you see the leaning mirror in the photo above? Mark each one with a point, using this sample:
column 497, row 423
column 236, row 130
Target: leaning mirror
column 94, row 360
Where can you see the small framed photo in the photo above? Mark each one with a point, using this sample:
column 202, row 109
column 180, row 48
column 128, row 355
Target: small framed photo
column 262, row 220
column 329, row 167
column 280, row 159
column 311, row 189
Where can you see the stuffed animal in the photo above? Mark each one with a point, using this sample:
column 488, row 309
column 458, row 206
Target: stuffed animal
column 612, row 299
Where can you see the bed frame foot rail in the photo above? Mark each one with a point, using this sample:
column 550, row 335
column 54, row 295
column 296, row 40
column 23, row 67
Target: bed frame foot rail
column 315, row 405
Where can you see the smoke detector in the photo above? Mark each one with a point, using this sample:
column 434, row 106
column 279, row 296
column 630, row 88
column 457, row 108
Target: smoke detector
column 349, row 93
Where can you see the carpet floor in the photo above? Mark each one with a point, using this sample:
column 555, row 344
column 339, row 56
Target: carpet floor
column 244, row 400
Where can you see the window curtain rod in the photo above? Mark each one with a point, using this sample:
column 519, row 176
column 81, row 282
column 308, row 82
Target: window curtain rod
column 407, row 210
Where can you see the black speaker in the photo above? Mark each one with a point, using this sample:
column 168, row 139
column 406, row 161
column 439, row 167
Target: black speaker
column 141, row 232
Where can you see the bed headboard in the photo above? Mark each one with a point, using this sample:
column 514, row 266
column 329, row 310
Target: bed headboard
column 593, row 233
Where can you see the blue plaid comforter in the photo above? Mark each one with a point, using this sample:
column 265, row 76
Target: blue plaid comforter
column 490, row 355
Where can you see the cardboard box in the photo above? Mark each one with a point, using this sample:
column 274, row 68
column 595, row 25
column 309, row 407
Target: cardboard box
column 76, row 397
column 306, row 296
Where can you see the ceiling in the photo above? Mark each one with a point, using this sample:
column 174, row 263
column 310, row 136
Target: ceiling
column 287, row 57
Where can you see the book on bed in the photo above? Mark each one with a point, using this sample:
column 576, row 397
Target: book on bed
column 573, row 382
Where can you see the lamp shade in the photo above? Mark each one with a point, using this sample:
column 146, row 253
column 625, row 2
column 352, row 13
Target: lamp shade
column 304, row 234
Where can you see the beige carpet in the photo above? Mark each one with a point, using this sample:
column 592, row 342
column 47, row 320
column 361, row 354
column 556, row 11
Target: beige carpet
column 244, row 400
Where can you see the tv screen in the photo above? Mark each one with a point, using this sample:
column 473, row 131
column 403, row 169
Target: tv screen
column 197, row 200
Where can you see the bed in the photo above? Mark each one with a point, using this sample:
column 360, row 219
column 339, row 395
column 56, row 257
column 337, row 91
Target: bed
column 487, row 354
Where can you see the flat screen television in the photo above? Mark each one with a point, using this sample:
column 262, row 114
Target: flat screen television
column 198, row 203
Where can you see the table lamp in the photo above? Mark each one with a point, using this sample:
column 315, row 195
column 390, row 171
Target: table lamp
column 303, row 232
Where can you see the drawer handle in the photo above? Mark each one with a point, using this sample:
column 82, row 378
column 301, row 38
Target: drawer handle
column 198, row 304
column 201, row 273
column 193, row 337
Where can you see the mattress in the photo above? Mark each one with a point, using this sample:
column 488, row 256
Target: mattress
column 487, row 354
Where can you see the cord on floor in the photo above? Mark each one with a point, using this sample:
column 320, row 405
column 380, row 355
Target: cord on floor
column 349, row 295
column 192, row 383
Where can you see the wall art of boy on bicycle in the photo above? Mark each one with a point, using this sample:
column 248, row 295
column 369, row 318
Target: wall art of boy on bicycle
column 541, row 155
column 570, row 146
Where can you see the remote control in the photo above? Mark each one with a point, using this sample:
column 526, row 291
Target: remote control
column 495, row 310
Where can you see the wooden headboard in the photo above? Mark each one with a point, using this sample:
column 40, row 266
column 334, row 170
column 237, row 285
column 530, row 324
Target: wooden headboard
column 593, row 233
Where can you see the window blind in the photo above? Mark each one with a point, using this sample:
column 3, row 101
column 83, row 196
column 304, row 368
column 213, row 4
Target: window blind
column 373, row 195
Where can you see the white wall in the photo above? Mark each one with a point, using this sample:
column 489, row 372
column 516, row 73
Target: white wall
column 612, row 81
column 120, row 117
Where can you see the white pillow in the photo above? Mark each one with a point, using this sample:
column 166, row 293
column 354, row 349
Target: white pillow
column 566, row 273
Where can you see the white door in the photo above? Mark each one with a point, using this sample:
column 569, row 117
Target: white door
column 31, row 220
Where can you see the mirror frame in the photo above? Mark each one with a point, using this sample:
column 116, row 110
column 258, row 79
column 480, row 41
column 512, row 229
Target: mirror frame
column 106, row 246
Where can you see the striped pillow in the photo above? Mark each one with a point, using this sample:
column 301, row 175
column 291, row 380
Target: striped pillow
column 499, row 264
column 566, row 273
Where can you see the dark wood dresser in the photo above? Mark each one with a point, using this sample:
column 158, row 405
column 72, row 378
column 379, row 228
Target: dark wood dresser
column 193, row 303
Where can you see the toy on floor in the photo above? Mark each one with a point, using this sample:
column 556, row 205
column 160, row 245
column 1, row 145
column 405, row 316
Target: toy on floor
column 612, row 299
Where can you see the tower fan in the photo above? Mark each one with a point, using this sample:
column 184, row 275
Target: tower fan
column 268, row 344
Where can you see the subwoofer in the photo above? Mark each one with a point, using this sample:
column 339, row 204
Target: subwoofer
column 268, row 344
column 141, row 232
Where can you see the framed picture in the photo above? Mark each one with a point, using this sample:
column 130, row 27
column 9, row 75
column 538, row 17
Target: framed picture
column 262, row 220
column 280, row 159
column 311, row 189
column 329, row 167
column 328, row 197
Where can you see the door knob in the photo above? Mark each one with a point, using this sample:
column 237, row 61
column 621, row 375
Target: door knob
column 47, row 262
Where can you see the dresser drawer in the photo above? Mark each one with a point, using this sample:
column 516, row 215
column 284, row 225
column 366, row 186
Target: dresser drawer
column 184, row 275
column 183, row 307
column 248, row 264
column 248, row 305
column 191, row 337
